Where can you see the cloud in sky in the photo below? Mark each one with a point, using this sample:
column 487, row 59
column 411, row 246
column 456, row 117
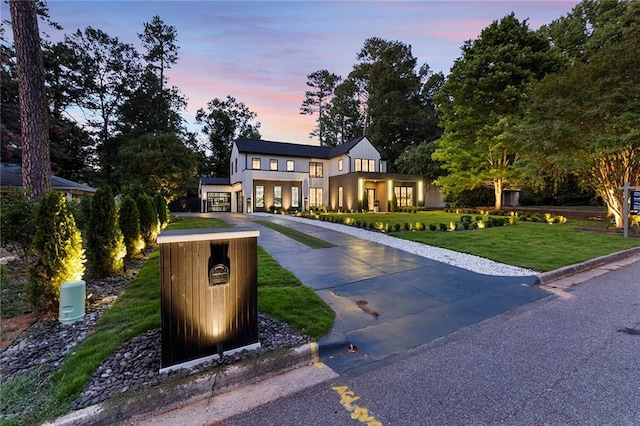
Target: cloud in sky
column 261, row 52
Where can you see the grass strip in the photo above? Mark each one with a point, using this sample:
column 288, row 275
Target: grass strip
column 137, row 310
column 308, row 240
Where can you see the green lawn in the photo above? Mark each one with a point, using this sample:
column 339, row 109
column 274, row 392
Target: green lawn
column 538, row 246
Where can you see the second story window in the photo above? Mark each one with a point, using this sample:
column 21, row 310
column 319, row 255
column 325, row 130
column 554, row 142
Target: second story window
column 340, row 165
column 273, row 164
column 364, row 165
column 315, row 169
column 290, row 166
column 255, row 163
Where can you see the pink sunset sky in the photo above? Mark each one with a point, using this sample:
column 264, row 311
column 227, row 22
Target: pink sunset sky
column 261, row 52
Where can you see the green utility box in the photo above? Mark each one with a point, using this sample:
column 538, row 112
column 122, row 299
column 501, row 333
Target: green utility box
column 72, row 299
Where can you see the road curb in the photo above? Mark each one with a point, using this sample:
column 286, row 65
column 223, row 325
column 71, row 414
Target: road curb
column 182, row 392
column 566, row 271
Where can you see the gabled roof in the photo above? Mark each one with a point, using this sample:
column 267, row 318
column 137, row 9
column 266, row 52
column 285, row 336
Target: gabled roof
column 207, row 180
column 258, row 146
column 11, row 175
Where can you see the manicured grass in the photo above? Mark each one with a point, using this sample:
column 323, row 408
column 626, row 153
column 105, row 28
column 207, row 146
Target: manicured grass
column 308, row 240
column 538, row 246
column 137, row 310
column 193, row 222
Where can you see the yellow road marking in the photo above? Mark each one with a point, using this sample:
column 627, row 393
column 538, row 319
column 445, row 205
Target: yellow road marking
column 347, row 398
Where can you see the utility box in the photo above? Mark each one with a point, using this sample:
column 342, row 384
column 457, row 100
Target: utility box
column 209, row 295
column 72, row 299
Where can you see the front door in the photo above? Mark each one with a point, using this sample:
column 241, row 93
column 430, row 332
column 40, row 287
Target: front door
column 371, row 198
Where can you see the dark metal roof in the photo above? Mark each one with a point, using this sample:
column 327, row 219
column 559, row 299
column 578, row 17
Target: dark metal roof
column 208, row 180
column 11, row 175
column 258, row 146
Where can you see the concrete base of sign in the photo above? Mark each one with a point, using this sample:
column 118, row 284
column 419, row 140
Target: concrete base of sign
column 199, row 361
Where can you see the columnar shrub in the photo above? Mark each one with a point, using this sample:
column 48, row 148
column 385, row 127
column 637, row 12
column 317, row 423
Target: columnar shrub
column 365, row 202
column 161, row 209
column 105, row 245
column 396, row 227
column 129, row 221
column 59, row 256
column 432, row 226
column 149, row 227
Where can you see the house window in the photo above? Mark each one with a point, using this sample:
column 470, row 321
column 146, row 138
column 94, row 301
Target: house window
column 358, row 164
column 255, row 163
column 218, row 201
column 260, row 196
column 363, row 165
column 290, row 165
column 315, row 169
column 404, row 195
column 273, row 164
column 235, row 165
column 372, row 165
column 295, row 197
column 277, row 197
column 315, row 197
column 340, row 165
column 340, row 197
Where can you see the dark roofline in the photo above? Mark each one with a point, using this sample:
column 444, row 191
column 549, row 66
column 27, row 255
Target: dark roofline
column 12, row 176
column 208, row 180
column 259, row 146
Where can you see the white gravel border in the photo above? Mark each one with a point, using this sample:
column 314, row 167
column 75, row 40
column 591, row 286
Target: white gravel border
column 469, row 262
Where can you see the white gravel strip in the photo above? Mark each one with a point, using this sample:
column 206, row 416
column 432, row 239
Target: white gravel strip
column 470, row 262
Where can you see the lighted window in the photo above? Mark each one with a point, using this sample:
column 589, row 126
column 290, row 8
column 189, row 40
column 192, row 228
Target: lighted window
column 358, row 164
column 404, row 195
column 260, row 196
column 273, row 164
column 315, row 169
column 255, row 163
column 295, row 196
column 315, row 197
column 340, row 197
column 290, row 165
column 277, row 197
column 372, row 165
column 340, row 165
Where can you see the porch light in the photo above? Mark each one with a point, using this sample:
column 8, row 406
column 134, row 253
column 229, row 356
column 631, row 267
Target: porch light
column 389, row 190
column 420, row 192
column 360, row 189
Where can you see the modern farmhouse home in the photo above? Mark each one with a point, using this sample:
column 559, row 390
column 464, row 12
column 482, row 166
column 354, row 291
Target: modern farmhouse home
column 265, row 175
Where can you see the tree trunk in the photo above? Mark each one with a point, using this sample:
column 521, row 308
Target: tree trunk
column 497, row 190
column 34, row 114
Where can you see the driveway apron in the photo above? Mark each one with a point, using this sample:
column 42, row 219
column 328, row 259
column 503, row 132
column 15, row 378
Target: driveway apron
column 386, row 300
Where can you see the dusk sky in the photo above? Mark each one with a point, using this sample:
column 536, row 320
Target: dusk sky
column 261, row 52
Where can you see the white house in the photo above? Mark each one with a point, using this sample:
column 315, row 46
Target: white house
column 266, row 175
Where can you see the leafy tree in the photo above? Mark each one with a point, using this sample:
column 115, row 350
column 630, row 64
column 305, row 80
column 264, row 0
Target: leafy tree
column 105, row 245
column 389, row 90
column 343, row 122
column 157, row 163
column 36, row 164
column 318, row 101
column 17, row 222
column 223, row 122
column 59, row 256
column 129, row 222
column 584, row 121
column 418, row 160
column 481, row 100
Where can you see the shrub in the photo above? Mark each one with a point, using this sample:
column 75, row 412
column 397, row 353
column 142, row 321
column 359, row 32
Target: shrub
column 59, row 256
column 407, row 226
column 105, row 245
column 443, row 226
column 419, row 226
column 149, row 227
column 161, row 209
column 535, row 218
column 480, row 224
column 466, row 225
column 80, row 208
column 129, row 221
column 394, row 202
column 453, row 226
column 365, row 202
column 396, row 227
column 433, row 227
column 17, row 223
column 465, row 218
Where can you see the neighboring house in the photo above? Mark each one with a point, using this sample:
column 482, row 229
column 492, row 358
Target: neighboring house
column 11, row 177
column 265, row 175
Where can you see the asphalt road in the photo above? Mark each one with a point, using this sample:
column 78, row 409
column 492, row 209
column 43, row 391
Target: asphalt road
column 569, row 359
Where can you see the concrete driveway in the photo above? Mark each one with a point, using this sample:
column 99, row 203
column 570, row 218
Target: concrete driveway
column 386, row 300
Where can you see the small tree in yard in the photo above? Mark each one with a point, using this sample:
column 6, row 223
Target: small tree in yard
column 365, row 202
column 129, row 221
column 149, row 227
column 57, row 245
column 105, row 245
column 17, row 223
column 161, row 207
